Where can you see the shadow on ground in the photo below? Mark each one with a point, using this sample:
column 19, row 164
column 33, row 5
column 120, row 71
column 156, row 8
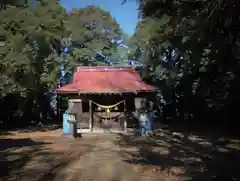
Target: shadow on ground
column 42, row 128
column 4, row 133
column 186, row 155
column 27, row 159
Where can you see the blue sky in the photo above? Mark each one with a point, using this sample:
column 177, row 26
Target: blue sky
column 126, row 15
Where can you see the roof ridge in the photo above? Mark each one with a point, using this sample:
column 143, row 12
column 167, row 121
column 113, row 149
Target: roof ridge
column 105, row 68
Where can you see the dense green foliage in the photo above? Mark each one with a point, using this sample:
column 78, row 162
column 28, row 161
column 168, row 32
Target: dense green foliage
column 91, row 30
column 31, row 41
column 206, row 33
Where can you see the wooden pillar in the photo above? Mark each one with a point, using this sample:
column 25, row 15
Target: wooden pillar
column 125, row 116
column 59, row 118
column 90, row 116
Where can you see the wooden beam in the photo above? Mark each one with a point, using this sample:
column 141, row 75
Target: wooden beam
column 90, row 115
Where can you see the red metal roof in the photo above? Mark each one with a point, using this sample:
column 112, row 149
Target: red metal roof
column 102, row 79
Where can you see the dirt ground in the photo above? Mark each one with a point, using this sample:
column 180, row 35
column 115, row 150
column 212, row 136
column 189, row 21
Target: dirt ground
column 168, row 156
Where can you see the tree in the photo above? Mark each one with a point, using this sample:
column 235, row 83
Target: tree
column 18, row 3
column 210, row 70
column 147, row 31
column 91, row 30
column 29, row 62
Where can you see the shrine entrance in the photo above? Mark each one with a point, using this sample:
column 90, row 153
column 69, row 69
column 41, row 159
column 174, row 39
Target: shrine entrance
column 105, row 113
column 108, row 114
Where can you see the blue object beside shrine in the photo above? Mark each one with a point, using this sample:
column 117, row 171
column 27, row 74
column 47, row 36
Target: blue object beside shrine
column 66, row 128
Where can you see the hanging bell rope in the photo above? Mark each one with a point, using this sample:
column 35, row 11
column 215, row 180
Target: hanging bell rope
column 107, row 107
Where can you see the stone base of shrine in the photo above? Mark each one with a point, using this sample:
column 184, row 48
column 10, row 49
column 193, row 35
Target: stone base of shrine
column 99, row 130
